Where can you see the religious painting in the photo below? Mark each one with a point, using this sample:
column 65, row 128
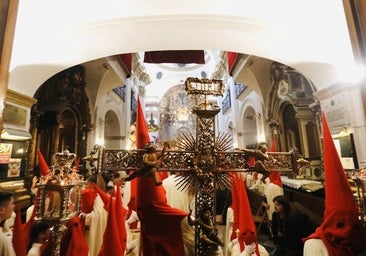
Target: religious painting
column 15, row 115
column 14, row 167
column 52, row 204
column 5, row 152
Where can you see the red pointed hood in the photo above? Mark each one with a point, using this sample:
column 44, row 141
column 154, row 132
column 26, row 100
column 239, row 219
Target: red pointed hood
column 235, row 205
column 121, row 216
column 76, row 166
column 335, row 178
column 28, row 225
column 73, row 240
column 142, row 138
column 18, row 240
column 111, row 239
column 245, row 223
column 142, row 133
column 103, row 195
column 43, row 166
column 341, row 231
column 88, row 196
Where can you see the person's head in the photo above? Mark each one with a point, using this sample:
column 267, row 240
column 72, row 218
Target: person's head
column 205, row 213
column 151, row 147
column 123, row 175
column 90, row 180
column 282, row 205
column 40, row 232
column 6, row 205
column 110, row 187
column 263, row 146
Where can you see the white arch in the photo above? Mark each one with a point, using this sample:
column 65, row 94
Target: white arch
column 251, row 130
column 52, row 36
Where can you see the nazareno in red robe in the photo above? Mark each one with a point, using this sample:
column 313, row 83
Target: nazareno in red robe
column 160, row 224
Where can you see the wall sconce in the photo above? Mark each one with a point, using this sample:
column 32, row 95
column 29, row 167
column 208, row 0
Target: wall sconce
column 274, row 125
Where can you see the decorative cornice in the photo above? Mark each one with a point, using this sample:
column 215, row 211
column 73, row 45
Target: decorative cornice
column 139, row 71
column 20, row 99
column 332, row 91
column 221, row 71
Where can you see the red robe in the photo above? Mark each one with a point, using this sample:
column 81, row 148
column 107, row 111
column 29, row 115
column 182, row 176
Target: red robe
column 275, row 178
column 160, row 224
column 88, row 196
column 73, row 240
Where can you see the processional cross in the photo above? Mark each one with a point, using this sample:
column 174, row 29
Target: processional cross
column 203, row 161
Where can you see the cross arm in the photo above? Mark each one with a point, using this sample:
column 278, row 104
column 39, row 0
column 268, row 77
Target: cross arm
column 283, row 161
column 122, row 159
column 177, row 160
column 172, row 160
column 231, row 161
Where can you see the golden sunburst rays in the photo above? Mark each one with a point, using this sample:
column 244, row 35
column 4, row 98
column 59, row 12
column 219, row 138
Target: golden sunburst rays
column 188, row 181
column 223, row 180
column 186, row 141
column 223, row 142
column 196, row 178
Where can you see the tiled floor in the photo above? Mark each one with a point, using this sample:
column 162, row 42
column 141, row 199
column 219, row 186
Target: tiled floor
column 265, row 239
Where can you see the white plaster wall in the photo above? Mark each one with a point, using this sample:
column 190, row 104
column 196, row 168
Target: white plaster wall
column 51, row 36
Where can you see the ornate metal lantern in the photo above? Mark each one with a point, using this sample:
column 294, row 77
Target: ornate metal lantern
column 59, row 196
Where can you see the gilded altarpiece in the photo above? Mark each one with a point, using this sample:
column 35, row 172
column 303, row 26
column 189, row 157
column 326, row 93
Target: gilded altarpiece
column 61, row 118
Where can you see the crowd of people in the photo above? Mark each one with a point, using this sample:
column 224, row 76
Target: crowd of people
column 293, row 233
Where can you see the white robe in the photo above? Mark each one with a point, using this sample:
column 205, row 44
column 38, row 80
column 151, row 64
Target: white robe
column 133, row 240
column 175, row 197
column 35, row 250
column 272, row 190
column 228, row 228
column 6, row 245
column 126, row 194
column 188, row 237
column 314, row 247
column 235, row 251
column 181, row 200
column 29, row 212
column 232, row 247
column 96, row 220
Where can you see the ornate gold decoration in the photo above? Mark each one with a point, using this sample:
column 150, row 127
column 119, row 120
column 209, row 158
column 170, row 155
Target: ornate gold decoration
column 204, row 86
column 203, row 160
column 59, row 196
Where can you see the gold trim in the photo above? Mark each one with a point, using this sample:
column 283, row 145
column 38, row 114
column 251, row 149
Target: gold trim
column 20, row 99
column 204, row 86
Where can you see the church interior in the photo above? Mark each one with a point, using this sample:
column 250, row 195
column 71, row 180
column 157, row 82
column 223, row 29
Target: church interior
column 210, row 79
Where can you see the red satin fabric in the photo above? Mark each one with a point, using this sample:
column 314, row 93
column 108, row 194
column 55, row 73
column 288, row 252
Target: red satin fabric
column 160, row 224
column 73, row 240
column 275, row 178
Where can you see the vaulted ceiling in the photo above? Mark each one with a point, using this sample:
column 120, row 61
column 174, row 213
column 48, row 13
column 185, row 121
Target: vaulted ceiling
column 53, row 36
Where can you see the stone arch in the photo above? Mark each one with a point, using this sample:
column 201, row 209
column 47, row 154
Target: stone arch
column 250, row 128
column 112, row 130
